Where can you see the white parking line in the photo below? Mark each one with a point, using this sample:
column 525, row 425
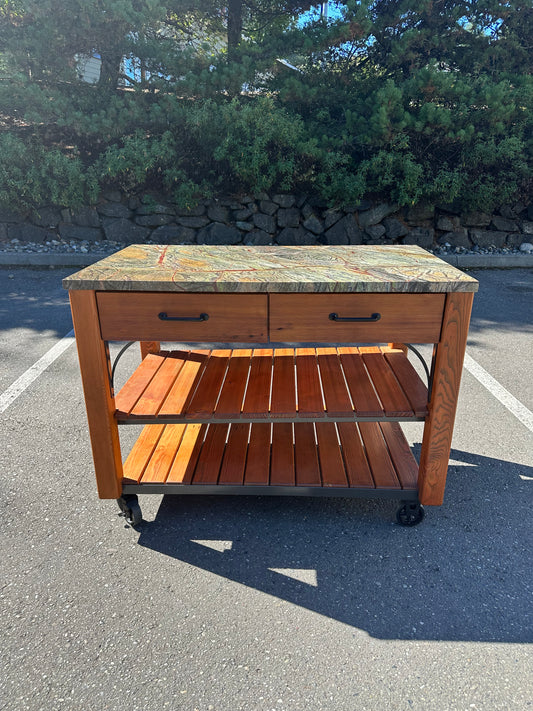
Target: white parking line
column 27, row 378
column 509, row 401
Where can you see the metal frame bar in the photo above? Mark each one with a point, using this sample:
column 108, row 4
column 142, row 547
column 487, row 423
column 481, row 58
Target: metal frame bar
column 259, row 490
column 171, row 420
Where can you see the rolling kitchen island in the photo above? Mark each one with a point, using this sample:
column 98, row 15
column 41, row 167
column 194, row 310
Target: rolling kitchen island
column 295, row 377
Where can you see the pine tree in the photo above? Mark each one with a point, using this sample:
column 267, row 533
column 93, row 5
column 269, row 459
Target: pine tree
column 403, row 101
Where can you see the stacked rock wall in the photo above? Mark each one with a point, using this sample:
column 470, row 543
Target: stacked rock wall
column 272, row 219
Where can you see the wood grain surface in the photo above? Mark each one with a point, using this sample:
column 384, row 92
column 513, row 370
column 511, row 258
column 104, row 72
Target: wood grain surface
column 99, row 401
column 134, row 316
column 287, row 383
column 409, row 318
column 438, row 429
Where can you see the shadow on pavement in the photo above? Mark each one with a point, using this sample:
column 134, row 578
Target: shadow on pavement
column 503, row 302
column 464, row 574
column 35, row 300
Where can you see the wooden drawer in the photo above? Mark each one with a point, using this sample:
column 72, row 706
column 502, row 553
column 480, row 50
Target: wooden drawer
column 308, row 318
column 140, row 316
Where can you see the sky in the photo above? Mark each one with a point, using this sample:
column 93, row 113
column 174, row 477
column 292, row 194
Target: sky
column 331, row 10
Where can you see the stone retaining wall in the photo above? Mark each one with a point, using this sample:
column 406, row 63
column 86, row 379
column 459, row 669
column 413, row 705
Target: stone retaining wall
column 272, row 219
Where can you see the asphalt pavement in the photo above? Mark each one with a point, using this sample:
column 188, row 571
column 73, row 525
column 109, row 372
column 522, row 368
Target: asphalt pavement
column 260, row 604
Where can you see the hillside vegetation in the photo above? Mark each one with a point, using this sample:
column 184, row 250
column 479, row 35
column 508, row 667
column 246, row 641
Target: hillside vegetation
column 433, row 104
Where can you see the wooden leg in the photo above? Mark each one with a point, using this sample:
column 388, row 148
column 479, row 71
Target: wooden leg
column 149, row 347
column 438, row 429
column 99, row 401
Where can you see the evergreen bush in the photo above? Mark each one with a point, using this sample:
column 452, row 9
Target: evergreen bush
column 431, row 102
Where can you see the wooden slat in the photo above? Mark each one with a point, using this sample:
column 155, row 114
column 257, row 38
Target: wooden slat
column 383, row 471
column 179, row 454
column 208, row 389
column 185, row 462
column 390, row 393
column 331, row 464
column 183, row 389
column 401, row 455
column 412, row 385
column 134, row 387
column 158, row 468
column 335, row 392
column 282, row 464
column 306, row 455
column 231, row 376
column 310, row 401
column 364, row 398
column 257, row 399
column 157, row 390
column 141, row 452
column 283, row 399
column 208, row 465
column 232, row 393
column 258, row 461
column 234, row 462
column 355, row 461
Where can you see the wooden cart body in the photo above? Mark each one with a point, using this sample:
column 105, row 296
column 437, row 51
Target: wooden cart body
column 291, row 403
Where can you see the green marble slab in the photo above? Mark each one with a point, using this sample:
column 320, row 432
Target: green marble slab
column 202, row 268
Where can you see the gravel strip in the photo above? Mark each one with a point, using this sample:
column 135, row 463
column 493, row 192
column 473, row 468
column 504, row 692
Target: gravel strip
column 525, row 248
column 55, row 246
column 80, row 253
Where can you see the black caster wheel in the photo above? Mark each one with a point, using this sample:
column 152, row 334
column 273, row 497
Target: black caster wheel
column 129, row 505
column 410, row 514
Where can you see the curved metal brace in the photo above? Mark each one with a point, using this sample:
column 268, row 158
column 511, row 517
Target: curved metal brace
column 115, row 362
column 426, row 369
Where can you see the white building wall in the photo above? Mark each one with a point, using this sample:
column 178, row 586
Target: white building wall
column 88, row 67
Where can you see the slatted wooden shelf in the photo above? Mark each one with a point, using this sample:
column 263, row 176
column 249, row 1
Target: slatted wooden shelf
column 302, row 456
column 249, row 385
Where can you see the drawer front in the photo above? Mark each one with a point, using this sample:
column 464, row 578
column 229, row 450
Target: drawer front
column 154, row 316
column 308, row 318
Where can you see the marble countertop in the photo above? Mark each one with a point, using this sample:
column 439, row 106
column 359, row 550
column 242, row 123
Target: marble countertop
column 203, row 268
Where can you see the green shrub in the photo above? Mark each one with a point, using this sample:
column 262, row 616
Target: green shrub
column 237, row 145
column 32, row 175
column 401, row 101
column 252, row 145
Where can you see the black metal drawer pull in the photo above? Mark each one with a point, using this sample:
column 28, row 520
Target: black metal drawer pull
column 165, row 317
column 336, row 317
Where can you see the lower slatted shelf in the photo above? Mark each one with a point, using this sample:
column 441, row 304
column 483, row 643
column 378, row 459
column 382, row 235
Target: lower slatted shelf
column 296, row 458
column 296, row 384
